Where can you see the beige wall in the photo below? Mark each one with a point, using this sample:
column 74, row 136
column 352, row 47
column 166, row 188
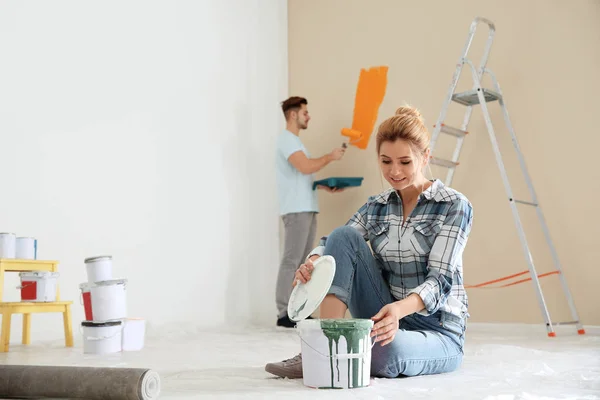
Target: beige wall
column 547, row 58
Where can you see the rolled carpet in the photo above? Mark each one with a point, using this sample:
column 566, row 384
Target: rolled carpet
column 94, row 383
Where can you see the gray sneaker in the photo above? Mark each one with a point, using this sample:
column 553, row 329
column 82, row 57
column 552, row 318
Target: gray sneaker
column 290, row 368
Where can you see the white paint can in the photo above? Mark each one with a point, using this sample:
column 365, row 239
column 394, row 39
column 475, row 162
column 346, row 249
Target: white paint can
column 26, row 248
column 102, row 337
column 99, row 268
column 336, row 353
column 38, row 286
column 8, row 245
column 133, row 334
column 109, row 300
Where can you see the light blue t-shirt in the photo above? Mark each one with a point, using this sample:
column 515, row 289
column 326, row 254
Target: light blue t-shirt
column 294, row 187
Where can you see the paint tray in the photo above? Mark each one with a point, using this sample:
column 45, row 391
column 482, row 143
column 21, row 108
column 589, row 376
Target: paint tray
column 339, row 182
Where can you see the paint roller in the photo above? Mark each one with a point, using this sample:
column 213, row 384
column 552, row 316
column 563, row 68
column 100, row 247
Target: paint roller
column 93, row 383
column 370, row 92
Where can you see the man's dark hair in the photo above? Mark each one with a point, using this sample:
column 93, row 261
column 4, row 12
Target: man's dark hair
column 294, row 103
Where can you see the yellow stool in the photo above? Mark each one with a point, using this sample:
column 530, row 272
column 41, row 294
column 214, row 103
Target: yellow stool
column 7, row 309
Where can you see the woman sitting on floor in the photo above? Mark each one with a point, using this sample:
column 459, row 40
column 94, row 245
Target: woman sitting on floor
column 411, row 283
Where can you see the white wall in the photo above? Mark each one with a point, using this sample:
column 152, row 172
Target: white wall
column 127, row 128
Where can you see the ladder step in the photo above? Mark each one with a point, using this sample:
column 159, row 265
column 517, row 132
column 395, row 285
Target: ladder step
column 529, row 203
column 565, row 323
column 452, row 131
column 443, row 163
column 470, row 98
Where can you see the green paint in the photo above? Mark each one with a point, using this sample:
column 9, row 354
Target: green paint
column 353, row 330
column 299, row 309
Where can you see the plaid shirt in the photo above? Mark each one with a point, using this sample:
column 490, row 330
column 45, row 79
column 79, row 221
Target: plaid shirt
column 423, row 255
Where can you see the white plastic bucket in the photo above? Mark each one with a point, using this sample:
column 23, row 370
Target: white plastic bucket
column 99, row 268
column 336, row 353
column 38, row 286
column 102, row 337
column 26, row 248
column 109, row 300
column 8, row 245
column 133, row 334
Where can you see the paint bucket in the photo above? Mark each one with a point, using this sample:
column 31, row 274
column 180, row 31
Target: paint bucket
column 102, row 337
column 8, row 245
column 39, row 286
column 86, row 300
column 108, row 300
column 133, row 334
column 26, row 248
column 99, row 268
column 336, row 353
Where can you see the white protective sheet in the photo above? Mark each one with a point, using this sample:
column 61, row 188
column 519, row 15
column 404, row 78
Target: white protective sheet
column 502, row 362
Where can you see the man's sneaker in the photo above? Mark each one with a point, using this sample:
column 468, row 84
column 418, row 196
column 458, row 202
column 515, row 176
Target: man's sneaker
column 286, row 322
column 290, row 368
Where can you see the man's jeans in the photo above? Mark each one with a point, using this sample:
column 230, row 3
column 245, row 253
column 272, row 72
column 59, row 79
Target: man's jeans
column 423, row 344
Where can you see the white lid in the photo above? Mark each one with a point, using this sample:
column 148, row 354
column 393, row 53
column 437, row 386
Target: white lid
column 306, row 297
column 111, row 282
column 30, row 274
column 96, row 258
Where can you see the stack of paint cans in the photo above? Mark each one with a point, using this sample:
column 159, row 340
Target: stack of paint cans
column 107, row 327
column 21, row 248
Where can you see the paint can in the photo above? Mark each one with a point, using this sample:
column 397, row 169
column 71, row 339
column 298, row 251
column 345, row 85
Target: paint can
column 86, row 301
column 102, row 337
column 99, row 268
column 109, row 300
column 8, row 245
column 26, row 248
column 133, row 334
column 336, row 353
column 38, row 286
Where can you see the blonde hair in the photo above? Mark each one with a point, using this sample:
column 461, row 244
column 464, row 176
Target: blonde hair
column 406, row 124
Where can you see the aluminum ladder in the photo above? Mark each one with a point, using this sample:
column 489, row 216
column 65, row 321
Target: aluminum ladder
column 481, row 96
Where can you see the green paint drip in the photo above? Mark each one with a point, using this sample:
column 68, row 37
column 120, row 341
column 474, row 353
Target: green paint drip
column 337, row 360
column 353, row 330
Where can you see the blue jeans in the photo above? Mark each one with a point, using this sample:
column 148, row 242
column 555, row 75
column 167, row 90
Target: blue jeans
column 423, row 344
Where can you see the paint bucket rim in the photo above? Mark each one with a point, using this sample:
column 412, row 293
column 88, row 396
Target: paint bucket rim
column 48, row 274
column 339, row 323
column 109, row 282
column 100, row 324
column 96, row 258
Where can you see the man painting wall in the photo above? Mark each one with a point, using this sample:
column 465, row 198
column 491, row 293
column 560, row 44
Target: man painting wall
column 298, row 203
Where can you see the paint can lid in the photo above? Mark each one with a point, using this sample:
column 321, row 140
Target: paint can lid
column 101, row 323
column 306, row 297
column 96, row 258
column 42, row 274
column 111, row 282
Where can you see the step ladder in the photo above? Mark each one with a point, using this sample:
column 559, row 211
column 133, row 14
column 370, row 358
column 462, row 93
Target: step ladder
column 481, row 96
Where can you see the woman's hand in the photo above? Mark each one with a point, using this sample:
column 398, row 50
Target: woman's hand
column 304, row 272
column 330, row 189
column 386, row 324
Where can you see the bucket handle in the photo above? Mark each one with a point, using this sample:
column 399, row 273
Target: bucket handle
column 349, row 356
column 24, row 286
